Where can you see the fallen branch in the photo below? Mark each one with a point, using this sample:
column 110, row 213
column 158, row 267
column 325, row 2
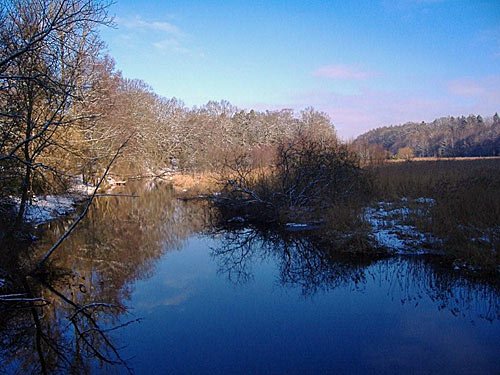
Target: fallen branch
column 19, row 297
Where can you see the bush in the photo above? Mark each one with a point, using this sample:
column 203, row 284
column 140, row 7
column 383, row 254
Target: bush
column 308, row 178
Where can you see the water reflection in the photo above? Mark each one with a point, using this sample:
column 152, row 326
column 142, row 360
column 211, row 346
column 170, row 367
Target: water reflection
column 63, row 319
column 302, row 262
column 305, row 264
column 44, row 330
column 69, row 318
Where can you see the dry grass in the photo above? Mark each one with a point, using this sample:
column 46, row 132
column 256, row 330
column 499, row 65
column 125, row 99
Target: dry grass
column 466, row 212
column 428, row 158
column 428, row 177
column 465, row 215
column 193, row 184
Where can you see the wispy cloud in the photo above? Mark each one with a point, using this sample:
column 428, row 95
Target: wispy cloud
column 342, row 72
column 163, row 36
column 355, row 114
column 138, row 23
column 485, row 89
column 170, row 44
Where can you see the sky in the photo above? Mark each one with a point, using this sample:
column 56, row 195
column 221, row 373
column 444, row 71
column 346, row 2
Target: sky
column 365, row 63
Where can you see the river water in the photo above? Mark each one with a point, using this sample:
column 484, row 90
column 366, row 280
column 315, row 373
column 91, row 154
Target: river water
column 148, row 284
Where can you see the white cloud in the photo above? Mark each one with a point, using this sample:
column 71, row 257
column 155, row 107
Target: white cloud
column 342, row 72
column 138, row 23
column 163, row 36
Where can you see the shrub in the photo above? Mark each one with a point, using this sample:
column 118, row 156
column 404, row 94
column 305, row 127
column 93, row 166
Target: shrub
column 308, row 178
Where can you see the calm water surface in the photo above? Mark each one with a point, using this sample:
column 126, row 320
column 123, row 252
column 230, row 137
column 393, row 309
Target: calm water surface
column 244, row 301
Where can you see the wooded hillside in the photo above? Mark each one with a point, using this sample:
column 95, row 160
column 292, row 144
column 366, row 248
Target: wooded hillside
column 446, row 137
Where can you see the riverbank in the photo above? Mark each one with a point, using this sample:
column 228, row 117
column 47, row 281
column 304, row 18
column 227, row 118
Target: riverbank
column 444, row 207
column 44, row 208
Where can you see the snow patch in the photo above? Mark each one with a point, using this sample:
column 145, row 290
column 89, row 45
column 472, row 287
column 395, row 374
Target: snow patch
column 237, row 220
column 82, row 189
column 390, row 231
column 424, row 200
column 46, row 208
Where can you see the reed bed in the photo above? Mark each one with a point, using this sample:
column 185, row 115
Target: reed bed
column 465, row 208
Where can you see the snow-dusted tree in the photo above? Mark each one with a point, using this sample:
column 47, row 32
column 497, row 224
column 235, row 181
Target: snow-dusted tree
column 47, row 57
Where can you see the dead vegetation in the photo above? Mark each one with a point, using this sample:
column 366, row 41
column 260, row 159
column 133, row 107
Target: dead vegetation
column 189, row 185
column 465, row 210
column 314, row 186
column 318, row 188
column 306, row 179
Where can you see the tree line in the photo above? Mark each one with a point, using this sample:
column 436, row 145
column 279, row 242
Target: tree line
column 443, row 137
column 65, row 109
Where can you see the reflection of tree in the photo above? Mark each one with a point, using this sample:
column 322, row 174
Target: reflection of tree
column 43, row 331
column 236, row 253
column 302, row 262
column 62, row 318
column 311, row 267
column 414, row 278
column 122, row 238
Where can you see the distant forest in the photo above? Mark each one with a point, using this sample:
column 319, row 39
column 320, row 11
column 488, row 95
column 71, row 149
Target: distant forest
column 443, row 137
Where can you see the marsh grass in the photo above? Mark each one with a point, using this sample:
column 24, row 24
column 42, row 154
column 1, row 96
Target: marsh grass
column 465, row 212
column 456, row 201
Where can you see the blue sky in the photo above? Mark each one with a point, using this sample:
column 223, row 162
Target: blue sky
column 365, row 63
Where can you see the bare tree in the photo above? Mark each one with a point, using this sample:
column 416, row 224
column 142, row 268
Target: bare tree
column 46, row 64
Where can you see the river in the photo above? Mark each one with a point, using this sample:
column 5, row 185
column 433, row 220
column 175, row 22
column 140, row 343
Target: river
column 148, row 284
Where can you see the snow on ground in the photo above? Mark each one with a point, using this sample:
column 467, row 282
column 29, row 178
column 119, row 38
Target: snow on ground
column 429, row 201
column 46, row 208
column 82, row 189
column 391, row 231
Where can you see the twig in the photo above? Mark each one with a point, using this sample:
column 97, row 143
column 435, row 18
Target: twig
column 92, row 305
column 20, row 298
column 117, row 195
